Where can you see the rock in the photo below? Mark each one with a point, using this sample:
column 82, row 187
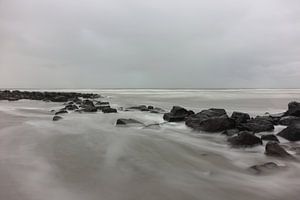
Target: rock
column 89, row 109
column 141, row 108
column 276, row 117
column 177, row 114
column 288, row 120
column 99, row 103
column 212, row 120
column 291, row 133
column 274, row 149
column 244, row 139
column 109, row 110
column 71, row 107
column 269, row 137
column 293, row 109
column 88, row 103
column 102, row 107
column 155, row 126
column 230, row 132
column 150, row 107
column 61, row 112
column 123, row 121
column 56, row 118
column 259, row 124
column 240, row 117
column 158, row 110
column 265, row 168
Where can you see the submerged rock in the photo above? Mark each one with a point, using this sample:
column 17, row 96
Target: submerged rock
column 291, row 133
column 245, row 139
column 269, row 137
column 230, row 132
column 177, row 114
column 265, row 168
column 140, row 107
column 56, row 118
column 274, row 149
column 123, row 121
column 89, row 109
column 61, row 112
column 212, row 120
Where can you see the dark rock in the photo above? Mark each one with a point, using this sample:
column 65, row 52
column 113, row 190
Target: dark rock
column 230, row 132
column 245, row 139
column 102, row 107
column 56, row 118
column 265, row 168
column 293, row 109
column 158, row 110
column 61, row 112
column 259, row 124
column 88, row 103
column 128, row 122
column 291, row 133
column 89, row 109
column 45, row 96
column 274, row 149
column 212, row 120
column 177, row 114
column 288, row 120
column 152, row 126
column 99, row 103
column 109, row 110
column 141, row 108
column 71, row 107
column 276, row 117
column 240, row 117
column 150, row 107
column 269, row 137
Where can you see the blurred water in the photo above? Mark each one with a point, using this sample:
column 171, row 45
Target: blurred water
column 85, row 156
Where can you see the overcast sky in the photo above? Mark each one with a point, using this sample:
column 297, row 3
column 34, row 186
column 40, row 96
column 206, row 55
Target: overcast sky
column 150, row 43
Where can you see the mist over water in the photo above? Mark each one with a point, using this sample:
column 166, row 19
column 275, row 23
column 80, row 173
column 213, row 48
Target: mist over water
column 85, row 156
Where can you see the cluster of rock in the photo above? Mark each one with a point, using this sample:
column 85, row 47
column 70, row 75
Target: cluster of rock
column 241, row 128
column 85, row 105
column 145, row 108
column 45, row 96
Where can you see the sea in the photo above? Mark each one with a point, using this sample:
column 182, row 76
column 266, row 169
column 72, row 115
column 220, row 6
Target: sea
column 85, row 156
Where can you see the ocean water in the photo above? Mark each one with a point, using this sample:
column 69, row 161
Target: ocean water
column 86, row 157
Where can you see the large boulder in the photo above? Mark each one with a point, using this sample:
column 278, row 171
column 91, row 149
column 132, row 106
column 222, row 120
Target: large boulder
column 291, row 133
column 240, row 117
column 244, row 139
column 177, row 114
column 256, row 125
column 293, row 109
column 212, row 120
column 274, row 149
column 288, row 120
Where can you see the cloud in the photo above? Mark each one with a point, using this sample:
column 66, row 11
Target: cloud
column 155, row 44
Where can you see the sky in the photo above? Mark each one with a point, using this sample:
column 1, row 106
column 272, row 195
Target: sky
column 149, row 44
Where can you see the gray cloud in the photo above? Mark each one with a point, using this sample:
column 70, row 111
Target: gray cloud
column 158, row 43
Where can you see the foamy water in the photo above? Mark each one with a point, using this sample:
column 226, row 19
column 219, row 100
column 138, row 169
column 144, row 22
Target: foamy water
column 85, row 156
